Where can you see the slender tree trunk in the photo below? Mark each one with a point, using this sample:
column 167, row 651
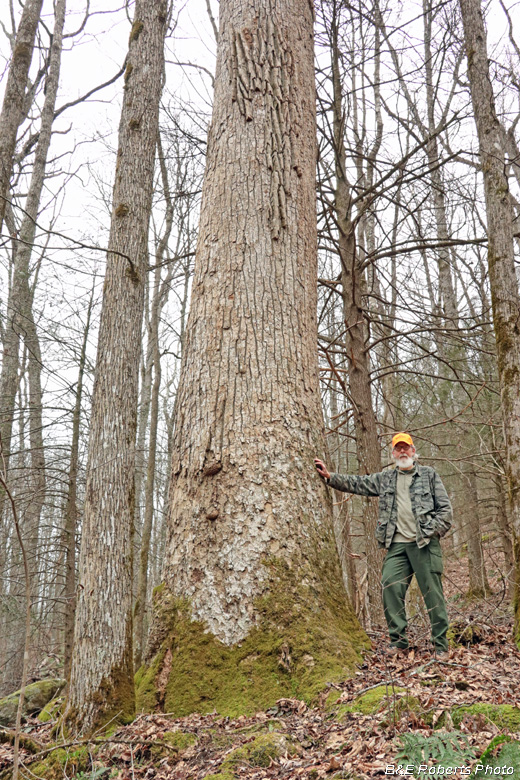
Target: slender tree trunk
column 505, row 533
column 142, row 420
column 250, row 524
column 13, row 112
column 505, row 299
column 478, row 581
column 140, row 609
column 160, row 292
column 71, row 509
column 101, row 685
column 447, row 292
column 353, row 284
column 20, row 299
column 35, row 421
column 21, row 324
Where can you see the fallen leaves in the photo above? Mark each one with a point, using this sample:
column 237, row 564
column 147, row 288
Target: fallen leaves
column 326, row 741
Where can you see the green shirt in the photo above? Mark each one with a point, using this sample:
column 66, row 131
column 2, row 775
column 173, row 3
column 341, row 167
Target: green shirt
column 406, row 530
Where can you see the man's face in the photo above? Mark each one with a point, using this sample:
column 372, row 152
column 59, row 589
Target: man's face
column 403, row 455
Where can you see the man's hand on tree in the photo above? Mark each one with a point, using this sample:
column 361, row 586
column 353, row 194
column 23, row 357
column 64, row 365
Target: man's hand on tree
column 321, row 469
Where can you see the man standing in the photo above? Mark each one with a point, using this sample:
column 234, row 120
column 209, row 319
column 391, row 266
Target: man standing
column 414, row 512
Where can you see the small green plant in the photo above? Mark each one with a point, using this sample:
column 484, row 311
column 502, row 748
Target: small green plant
column 94, row 774
column 446, row 749
column 502, row 751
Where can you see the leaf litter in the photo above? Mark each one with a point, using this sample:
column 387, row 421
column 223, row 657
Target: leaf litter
column 335, row 739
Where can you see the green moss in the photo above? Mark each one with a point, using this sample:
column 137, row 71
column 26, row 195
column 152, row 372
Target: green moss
column 145, row 685
column 220, row 776
column 259, row 752
column 36, row 696
column 50, row 711
column 62, row 763
column 136, row 30
column 303, row 639
column 176, row 741
column 179, row 739
column 502, row 715
column 390, row 701
column 459, row 633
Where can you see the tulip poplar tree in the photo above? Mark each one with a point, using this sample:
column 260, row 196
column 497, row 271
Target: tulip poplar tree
column 503, row 281
column 252, row 606
column 101, row 684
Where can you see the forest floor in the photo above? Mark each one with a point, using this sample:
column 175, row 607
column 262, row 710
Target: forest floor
column 449, row 711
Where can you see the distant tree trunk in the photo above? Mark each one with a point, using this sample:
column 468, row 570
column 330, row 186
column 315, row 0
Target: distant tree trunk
column 446, row 289
column 158, row 298
column 21, row 324
column 71, row 510
column 101, row 685
column 503, row 282
column 353, row 286
column 13, row 112
column 478, row 581
column 253, row 604
column 504, row 525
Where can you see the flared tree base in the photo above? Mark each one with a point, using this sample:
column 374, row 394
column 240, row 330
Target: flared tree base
column 300, row 643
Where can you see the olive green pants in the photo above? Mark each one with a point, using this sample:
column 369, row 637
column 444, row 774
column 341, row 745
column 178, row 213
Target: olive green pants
column 402, row 561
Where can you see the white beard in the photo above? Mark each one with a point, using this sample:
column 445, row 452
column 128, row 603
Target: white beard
column 404, row 462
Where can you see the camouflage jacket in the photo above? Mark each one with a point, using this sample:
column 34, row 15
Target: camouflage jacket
column 430, row 503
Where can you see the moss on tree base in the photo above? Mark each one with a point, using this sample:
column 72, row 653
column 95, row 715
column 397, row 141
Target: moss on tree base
column 302, row 640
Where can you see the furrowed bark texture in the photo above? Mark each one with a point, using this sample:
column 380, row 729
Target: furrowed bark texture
column 503, row 282
column 101, row 685
column 13, row 106
column 248, row 418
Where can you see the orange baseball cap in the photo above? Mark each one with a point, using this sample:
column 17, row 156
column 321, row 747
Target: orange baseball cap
column 402, row 437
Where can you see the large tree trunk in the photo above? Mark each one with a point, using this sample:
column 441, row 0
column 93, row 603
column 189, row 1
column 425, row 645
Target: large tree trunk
column 13, row 112
column 101, row 685
column 253, row 605
column 503, row 282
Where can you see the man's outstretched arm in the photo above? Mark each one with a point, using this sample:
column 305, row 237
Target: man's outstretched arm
column 366, row 485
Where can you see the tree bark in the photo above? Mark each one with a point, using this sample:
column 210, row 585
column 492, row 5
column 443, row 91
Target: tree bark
column 505, row 299
column 14, row 98
column 71, row 510
column 101, row 685
column 21, row 324
column 478, row 581
column 250, row 524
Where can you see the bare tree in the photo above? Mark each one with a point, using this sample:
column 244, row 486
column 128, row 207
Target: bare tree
column 503, row 282
column 101, row 685
column 14, row 105
column 249, row 522
column 21, row 324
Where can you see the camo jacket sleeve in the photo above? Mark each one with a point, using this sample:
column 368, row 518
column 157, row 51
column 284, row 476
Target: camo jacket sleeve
column 365, row 485
column 443, row 511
